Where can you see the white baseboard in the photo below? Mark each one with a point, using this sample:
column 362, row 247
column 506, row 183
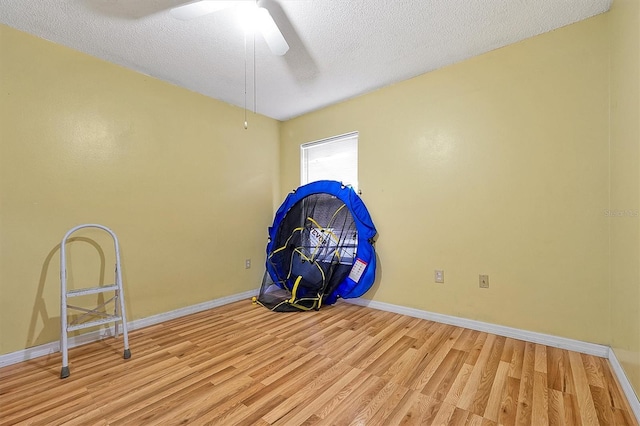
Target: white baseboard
column 53, row 347
column 515, row 333
column 166, row 316
column 633, row 399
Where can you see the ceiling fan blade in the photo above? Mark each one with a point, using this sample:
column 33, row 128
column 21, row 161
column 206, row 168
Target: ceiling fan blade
column 271, row 33
column 199, row 8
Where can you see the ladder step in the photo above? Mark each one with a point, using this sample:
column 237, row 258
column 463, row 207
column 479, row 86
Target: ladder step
column 92, row 290
column 111, row 318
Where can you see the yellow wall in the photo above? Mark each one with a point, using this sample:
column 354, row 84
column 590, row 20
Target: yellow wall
column 187, row 190
column 625, row 186
column 496, row 165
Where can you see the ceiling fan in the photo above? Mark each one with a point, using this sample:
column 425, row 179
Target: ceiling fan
column 259, row 17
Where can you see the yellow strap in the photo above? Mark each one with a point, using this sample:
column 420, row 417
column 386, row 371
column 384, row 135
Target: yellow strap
column 294, row 289
column 315, row 223
column 302, row 308
column 286, row 242
column 335, row 214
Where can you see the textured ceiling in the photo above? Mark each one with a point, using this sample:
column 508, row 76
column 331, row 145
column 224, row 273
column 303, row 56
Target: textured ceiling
column 339, row 48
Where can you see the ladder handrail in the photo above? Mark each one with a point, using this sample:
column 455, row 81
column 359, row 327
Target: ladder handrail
column 120, row 308
column 63, row 250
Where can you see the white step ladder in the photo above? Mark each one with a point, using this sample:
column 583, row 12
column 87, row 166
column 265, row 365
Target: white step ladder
column 95, row 316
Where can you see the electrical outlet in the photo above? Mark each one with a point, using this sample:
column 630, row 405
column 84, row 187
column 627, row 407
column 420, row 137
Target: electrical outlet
column 247, row 263
column 438, row 276
column 484, row 281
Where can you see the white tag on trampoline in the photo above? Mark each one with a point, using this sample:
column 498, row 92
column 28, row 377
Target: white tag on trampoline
column 357, row 270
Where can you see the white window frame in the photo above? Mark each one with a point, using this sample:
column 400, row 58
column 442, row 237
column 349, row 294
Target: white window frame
column 345, row 144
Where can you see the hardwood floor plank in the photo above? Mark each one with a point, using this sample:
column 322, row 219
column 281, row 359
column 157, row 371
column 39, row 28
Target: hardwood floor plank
column 460, row 382
column 386, row 339
column 241, row 364
column 487, row 422
column 294, row 398
column 397, row 397
column 509, row 401
column 72, row 407
column 556, row 408
column 428, row 410
column 47, row 400
column 475, row 420
column 475, row 351
column 385, row 358
column 388, row 392
column 496, row 394
column 517, row 358
column 623, row 417
column 404, row 413
column 266, row 367
column 614, row 391
column 540, row 409
column 525, row 394
column 567, row 383
column 418, row 359
column 593, row 369
column 331, row 406
column 429, row 371
column 465, row 342
column 403, row 367
column 169, row 405
column 444, row 414
column 382, row 415
column 468, row 395
column 507, row 352
column 458, row 418
column 445, row 376
column 199, row 404
column 422, row 331
column 487, row 378
column 540, row 363
column 571, row 410
column 309, row 358
column 250, row 415
column 304, row 411
column 297, row 378
column 357, row 400
column 603, row 409
column 345, row 344
column 229, row 402
column 174, row 382
column 583, row 392
column 554, row 367
column 431, row 354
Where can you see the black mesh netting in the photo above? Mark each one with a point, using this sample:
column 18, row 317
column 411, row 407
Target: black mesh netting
column 314, row 250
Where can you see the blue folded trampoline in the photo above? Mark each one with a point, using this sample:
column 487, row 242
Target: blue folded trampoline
column 321, row 248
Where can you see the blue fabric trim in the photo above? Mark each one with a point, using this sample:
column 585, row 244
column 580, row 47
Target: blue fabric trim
column 364, row 224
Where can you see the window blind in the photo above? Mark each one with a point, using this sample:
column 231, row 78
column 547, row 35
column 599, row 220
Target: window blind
column 334, row 158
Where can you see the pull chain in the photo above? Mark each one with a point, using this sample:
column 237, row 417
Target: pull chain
column 255, row 86
column 246, row 125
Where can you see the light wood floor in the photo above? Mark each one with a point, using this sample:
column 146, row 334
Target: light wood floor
column 346, row 364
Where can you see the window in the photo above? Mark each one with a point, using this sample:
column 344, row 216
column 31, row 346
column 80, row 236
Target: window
column 334, row 158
